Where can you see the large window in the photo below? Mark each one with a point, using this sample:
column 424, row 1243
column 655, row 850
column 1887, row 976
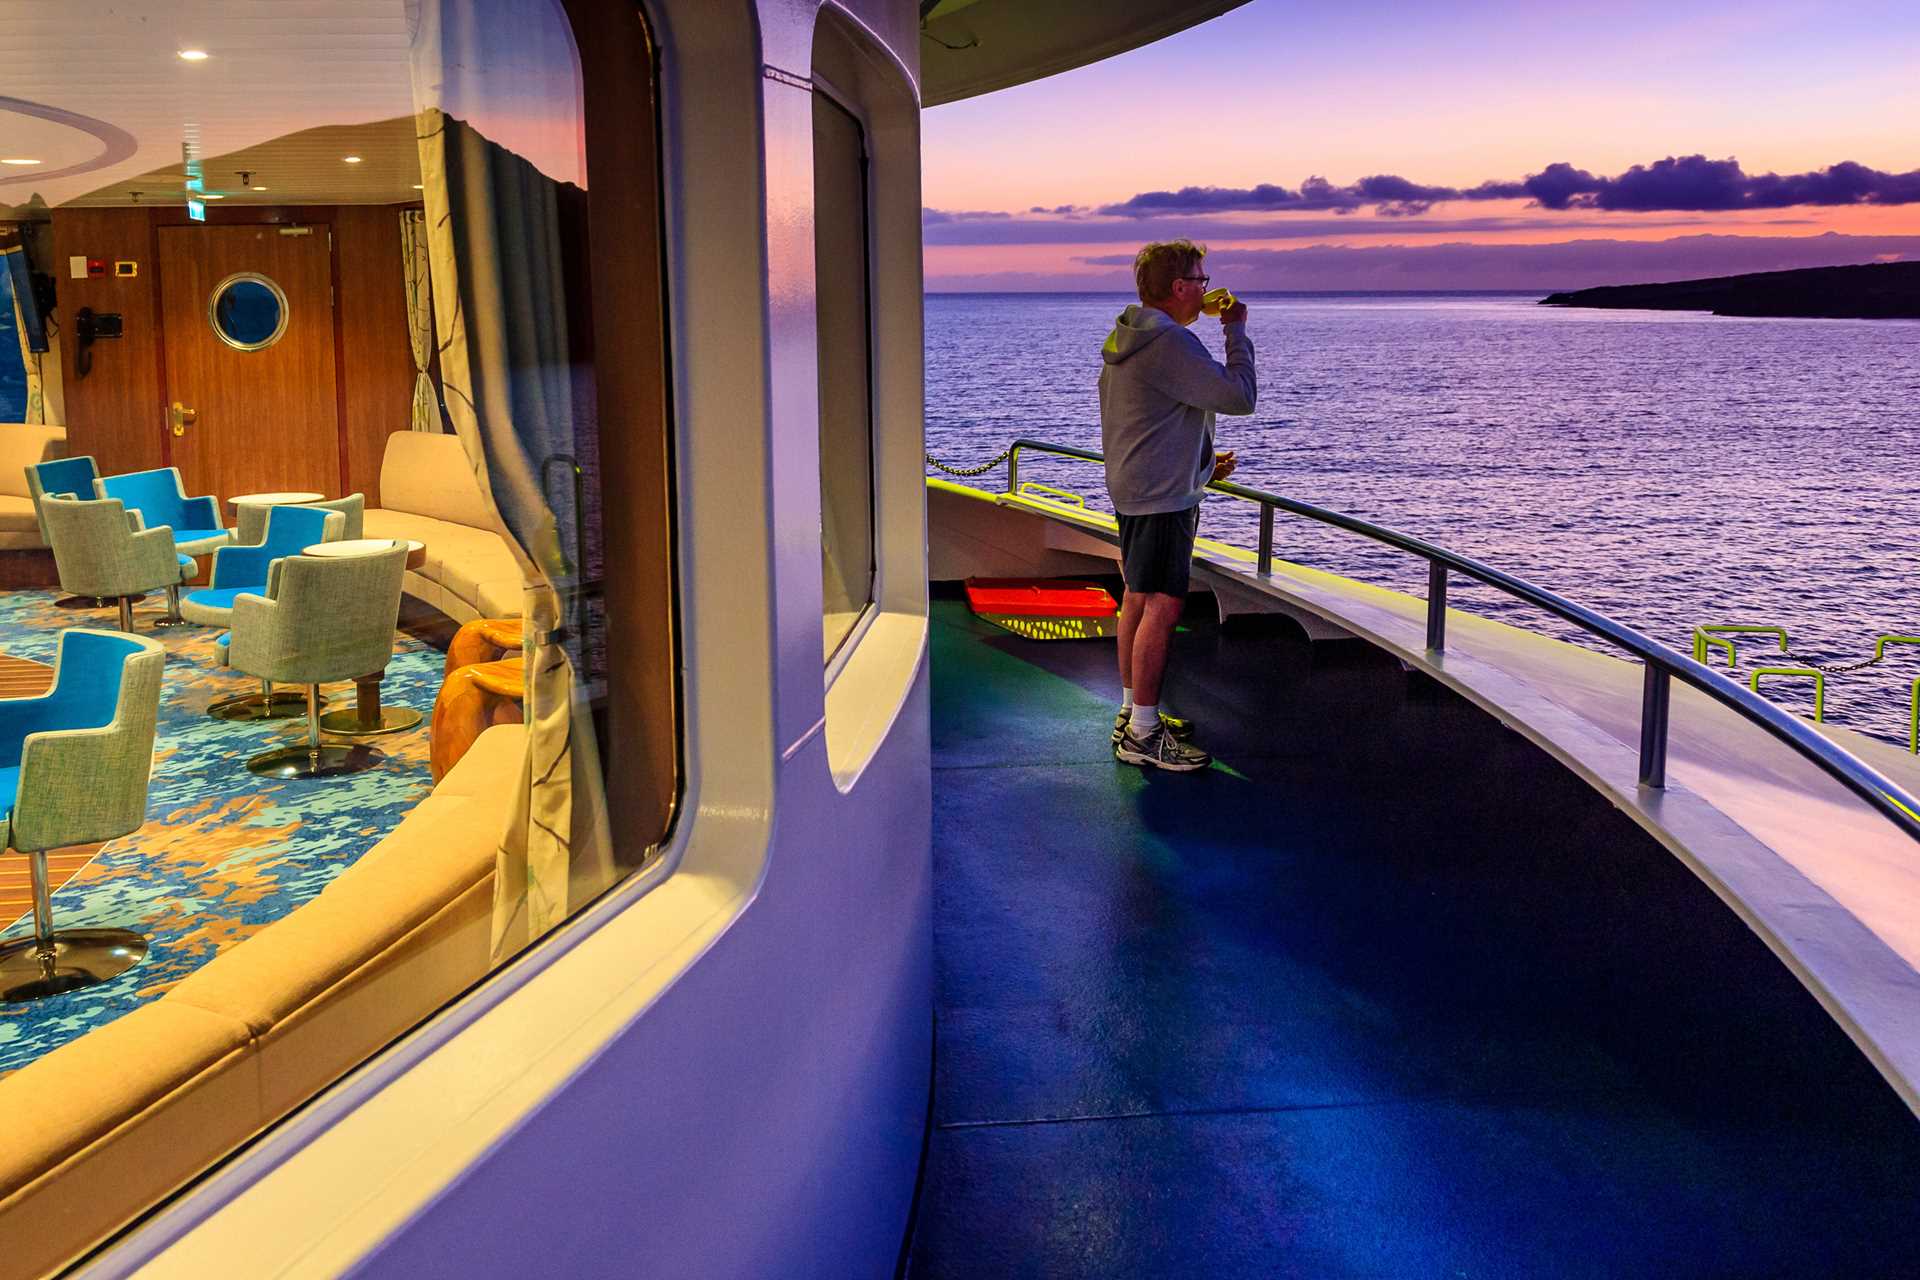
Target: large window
column 450, row 188
column 840, row 239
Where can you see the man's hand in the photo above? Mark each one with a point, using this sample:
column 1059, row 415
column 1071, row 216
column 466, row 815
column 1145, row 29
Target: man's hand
column 1223, row 460
column 1235, row 314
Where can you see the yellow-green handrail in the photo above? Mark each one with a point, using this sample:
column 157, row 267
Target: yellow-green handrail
column 1700, row 642
column 1063, row 495
column 1703, row 636
column 1819, row 685
column 1880, row 643
column 1913, row 738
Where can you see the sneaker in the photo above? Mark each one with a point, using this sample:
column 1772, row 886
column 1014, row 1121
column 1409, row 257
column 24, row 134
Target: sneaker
column 1161, row 750
column 1176, row 725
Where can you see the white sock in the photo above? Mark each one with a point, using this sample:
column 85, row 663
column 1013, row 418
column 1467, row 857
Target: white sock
column 1145, row 717
column 1126, row 699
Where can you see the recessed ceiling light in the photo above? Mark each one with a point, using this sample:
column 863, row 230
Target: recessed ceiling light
column 259, row 188
column 351, row 159
column 193, row 55
column 418, row 187
column 18, row 160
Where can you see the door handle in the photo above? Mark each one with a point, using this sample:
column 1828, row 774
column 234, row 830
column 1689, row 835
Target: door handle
column 180, row 418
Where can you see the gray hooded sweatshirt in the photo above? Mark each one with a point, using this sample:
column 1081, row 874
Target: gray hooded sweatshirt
column 1159, row 390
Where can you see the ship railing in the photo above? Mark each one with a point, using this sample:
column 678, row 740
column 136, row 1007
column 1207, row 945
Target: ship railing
column 1663, row 664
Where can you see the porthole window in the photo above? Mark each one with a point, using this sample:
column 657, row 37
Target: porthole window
column 248, row 311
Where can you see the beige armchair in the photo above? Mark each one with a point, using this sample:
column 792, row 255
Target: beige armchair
column 98, row 552
column 322, row 619
column 74, row 764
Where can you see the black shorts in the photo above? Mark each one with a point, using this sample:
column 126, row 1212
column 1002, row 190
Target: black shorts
column 1156, row 551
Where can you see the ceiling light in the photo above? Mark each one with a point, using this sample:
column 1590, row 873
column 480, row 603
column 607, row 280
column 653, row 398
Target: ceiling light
column 213, row 195
column 418, row 187
column 193, row 55
column 18, row 160
column 351, row 159
column 259, row 188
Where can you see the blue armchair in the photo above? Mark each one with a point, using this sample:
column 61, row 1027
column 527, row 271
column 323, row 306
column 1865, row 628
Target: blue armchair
column 160, row 499
column 74, row 764
column 239, row 570
column 63, row 477
column 98, row 551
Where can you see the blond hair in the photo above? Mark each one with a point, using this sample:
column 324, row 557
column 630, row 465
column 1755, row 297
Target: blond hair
column 1157, row 266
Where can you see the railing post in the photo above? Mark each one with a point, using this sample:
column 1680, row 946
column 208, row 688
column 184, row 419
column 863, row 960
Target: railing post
column 1266, row 538
column 1655, row 698
column 1013, row 469
column 1436, row 606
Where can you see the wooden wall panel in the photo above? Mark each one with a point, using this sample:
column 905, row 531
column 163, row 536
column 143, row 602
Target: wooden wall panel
column 377, row 360
column 114, row 413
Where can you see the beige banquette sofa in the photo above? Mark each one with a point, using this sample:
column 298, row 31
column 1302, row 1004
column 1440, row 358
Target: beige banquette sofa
column 111, row 1122
column 22, row 445
column 427, row 492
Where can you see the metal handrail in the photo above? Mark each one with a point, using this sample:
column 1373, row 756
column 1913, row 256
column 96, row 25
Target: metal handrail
column 1662, row 663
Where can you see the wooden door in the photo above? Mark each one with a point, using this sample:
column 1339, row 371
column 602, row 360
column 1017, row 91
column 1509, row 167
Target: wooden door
column 261, row 421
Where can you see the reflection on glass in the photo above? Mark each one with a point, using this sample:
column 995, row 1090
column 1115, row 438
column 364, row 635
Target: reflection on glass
column 249, row 312
column 846, row 421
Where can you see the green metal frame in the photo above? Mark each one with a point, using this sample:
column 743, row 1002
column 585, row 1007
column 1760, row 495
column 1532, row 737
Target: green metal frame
column 1913, row 738
column 1880, row 643
column 1708, row 635
column 1819, row 685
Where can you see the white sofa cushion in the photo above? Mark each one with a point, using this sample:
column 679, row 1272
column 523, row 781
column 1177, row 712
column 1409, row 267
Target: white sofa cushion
column 426, row 473
column 16, row 516
column 469, row 573
column 21, row 445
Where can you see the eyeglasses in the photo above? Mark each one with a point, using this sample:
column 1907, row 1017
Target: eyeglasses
column 1201, row 280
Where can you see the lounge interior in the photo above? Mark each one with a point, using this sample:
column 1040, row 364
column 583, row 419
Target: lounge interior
column 339, row 406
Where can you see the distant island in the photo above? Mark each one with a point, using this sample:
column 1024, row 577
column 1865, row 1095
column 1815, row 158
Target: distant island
column 1881, row 291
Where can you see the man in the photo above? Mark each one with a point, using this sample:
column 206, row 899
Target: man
column 1159, row 390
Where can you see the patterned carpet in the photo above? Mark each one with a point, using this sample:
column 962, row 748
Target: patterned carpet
column 223, row 853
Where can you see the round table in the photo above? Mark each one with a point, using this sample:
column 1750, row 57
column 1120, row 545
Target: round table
column 368, row 718
column 416, row 550
column 292, row 499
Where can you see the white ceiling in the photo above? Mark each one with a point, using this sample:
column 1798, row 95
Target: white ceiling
column 280, row 69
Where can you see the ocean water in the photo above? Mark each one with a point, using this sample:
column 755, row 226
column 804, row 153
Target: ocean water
column 1666, row 469
column 13, row 374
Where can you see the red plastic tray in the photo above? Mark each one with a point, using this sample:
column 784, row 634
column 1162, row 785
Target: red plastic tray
column 1040, row 598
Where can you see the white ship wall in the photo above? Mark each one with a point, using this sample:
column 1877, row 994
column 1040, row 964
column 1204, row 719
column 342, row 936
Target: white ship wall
column 724, row 1069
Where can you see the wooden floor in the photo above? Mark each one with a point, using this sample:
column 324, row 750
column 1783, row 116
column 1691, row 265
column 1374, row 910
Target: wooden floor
column 20, row 678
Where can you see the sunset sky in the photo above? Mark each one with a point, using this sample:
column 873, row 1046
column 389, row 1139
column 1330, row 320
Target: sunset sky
column 1522, row 145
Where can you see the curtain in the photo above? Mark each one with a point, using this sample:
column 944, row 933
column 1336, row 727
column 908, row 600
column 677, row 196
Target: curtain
column 413, row 262
column 494, row 220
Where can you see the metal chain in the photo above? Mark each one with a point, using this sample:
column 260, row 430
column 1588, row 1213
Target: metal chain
column 963, row 472
column 1830, row 668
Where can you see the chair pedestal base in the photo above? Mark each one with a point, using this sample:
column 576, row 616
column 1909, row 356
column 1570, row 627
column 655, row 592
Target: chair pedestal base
column 328, row 760
column 288, row 705
column 89, row 602
column 348, row 724
column 368, row 718
column 70, row 959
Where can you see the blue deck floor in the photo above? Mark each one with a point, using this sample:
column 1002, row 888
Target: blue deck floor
column 1386, row 993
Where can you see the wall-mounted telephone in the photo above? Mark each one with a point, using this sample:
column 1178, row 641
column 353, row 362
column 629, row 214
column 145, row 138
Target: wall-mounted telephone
column 88, row 325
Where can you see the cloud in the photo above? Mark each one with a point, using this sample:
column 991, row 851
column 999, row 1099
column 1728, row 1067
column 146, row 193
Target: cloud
column 1675, row 184
column 945, row 217
column 954, row 229
column 1573, row 264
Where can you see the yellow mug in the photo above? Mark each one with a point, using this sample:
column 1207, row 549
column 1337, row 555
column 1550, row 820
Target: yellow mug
column 1214, row 301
